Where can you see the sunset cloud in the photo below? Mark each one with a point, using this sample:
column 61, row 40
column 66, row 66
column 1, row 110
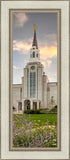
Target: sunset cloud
column 48, row 52
column 21, row 46
column 44, row 63
column 48, row 47
column 50, row 79
column 20, row 19
column 45, row 51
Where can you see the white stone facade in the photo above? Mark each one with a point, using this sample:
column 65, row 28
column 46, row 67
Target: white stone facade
column 35, row 91
column 51, row 90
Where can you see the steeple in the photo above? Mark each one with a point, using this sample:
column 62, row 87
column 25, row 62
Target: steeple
column 34, row 38
column 34, row 51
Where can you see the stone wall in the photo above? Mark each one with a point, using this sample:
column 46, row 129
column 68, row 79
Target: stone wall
column 52, row 91
column 16, row 94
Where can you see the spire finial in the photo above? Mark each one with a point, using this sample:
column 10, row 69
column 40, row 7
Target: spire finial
column 34, row 38
column 34, row 27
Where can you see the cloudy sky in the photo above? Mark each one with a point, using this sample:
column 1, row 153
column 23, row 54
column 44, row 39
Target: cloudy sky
column 23, row 30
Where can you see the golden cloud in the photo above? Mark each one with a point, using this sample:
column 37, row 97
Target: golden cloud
column 48, row 52
column 45, row 51
column 50, row 79
column 44, row 63
column 21, row 46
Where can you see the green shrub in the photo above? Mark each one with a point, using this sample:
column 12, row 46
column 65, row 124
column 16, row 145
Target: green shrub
column 32, row 111
column 44, row 109
column 54, row 109
column 55, row 106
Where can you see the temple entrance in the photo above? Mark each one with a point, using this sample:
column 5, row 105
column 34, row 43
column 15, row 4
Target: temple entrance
column 19, row 106
column 26, row 104
column 34, row 105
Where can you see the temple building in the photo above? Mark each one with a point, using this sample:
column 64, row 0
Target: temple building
column 35, row 91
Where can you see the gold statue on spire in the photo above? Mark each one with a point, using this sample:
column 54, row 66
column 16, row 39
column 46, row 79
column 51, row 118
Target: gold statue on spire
column 34, row 27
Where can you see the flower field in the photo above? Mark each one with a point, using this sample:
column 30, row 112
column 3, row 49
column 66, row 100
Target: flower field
column 35, row 130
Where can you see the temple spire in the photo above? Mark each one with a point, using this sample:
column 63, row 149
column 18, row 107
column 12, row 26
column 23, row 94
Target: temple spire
column 34, row 51
column 34, row 38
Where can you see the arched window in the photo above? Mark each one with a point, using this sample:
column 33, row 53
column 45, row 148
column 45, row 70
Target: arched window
column 26, row 104
column 33, row 54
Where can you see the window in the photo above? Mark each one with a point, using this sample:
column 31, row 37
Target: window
column 32, row 84
column 33, row 54
column 37, row 55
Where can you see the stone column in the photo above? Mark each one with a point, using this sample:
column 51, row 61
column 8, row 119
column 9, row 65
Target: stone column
column 37, row 104
column 17, row 107
column 31, row 104
column 22, row 104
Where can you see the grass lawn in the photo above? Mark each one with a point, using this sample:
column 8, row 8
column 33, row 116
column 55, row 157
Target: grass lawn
column 40, row 119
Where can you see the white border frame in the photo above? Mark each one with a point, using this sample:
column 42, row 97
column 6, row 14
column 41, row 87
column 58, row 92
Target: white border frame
column 64, row 6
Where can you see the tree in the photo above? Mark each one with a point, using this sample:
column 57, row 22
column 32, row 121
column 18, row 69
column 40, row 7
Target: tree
column 52, row 101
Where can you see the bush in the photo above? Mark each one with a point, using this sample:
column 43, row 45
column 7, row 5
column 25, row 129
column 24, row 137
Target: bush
column 54, row 110
column 55, row 106
column 44, row 109
column 32, row 111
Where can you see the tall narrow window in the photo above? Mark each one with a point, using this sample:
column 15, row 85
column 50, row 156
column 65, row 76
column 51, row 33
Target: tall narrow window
column 33, row 54
column 37, row 55
column 32, row 84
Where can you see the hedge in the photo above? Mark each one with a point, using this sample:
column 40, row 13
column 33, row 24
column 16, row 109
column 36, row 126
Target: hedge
column 32, row 111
